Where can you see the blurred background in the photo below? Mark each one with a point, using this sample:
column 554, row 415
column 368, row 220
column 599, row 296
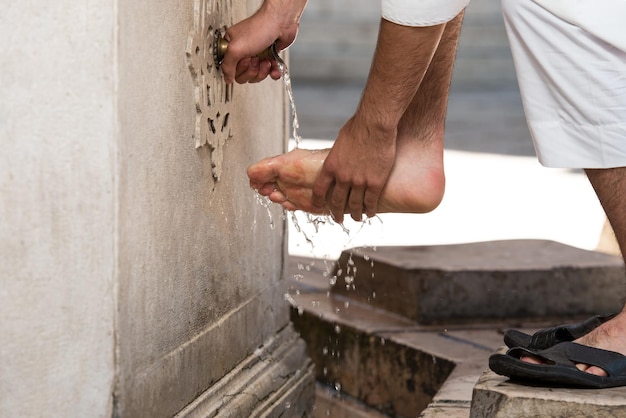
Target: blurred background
column 496, row 189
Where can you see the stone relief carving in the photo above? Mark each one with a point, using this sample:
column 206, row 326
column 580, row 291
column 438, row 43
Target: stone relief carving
column 213, row 97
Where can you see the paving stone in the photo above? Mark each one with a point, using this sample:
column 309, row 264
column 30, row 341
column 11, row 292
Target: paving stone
column 354, row 357
column 331, row 404
column 445, row 411
column 496, row 397
column 469, row 283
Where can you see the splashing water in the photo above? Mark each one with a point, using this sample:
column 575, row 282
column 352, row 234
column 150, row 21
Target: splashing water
column 266, row 203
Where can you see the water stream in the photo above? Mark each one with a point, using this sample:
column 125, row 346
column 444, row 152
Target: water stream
column 315, row 222
column 284, row 71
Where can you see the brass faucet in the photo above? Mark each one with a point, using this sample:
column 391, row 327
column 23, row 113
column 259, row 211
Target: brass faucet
column 220, row 46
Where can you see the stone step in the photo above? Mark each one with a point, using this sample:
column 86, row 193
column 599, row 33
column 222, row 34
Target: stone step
column 484, row 281
column 330, row 403
column 371, row 360
column 389, row 365
column 496, row 397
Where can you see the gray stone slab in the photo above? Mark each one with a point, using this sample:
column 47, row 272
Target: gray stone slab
column 388, row 362
column 498, row 280
column 348, row 347
column 443, row 411
column 330, row 403
column 495, row 397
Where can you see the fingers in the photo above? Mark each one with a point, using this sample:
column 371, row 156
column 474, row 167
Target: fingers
column 252, row 70
column 275, row 72
column 370, row 202
column 344, row 197
column 337, row 200
column 228, row 67
column 320, row 189
column 355, row 203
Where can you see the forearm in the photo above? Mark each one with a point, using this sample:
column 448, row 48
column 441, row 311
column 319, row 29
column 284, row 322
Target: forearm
column 402, row 56
column 282, row 16
column 284, row 12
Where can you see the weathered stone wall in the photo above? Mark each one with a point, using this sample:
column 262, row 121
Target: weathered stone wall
column 57, row 208
column 138, row 268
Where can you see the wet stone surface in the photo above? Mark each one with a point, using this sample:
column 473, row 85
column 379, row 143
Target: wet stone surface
column 484, row 281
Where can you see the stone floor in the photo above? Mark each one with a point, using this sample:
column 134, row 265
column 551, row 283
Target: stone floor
column 365, row 352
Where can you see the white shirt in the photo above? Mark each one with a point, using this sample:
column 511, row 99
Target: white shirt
column 421, row 12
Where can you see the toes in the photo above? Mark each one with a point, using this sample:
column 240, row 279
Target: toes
column 277, row 196
column 287, row 205
column 592, row 370
column 264, row 189
column 264, row 171
column 531, row 360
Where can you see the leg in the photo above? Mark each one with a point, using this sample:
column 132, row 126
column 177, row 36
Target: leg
column 568, row 129
column 416, row 182
column 610, row 186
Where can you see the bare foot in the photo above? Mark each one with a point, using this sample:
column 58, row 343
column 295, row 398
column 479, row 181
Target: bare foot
column 415, row 185
column 609, row 336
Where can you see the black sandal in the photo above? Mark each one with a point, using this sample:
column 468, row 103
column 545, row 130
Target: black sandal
column 560, row 367
column 549, row 337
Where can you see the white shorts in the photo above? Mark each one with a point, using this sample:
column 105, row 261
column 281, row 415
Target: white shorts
column 421, row 12
column 573, row 82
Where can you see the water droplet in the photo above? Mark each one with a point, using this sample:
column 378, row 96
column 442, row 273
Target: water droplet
column 346, row 304
column 337, row 329
column 338, row 386
column 382, row 341
column 325, row 350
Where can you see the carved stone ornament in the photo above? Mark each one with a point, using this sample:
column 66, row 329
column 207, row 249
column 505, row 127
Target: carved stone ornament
column 213, row 97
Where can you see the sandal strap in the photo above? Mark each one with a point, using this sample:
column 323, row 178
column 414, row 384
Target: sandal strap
column 569, row 354
column 562, row 333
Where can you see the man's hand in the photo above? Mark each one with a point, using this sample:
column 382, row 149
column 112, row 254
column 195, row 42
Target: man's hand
column 358, row 165
column 276, row 22
column 356, row 170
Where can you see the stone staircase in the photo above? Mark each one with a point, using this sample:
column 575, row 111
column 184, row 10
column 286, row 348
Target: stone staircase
column 407, row 331
column 337, row 38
